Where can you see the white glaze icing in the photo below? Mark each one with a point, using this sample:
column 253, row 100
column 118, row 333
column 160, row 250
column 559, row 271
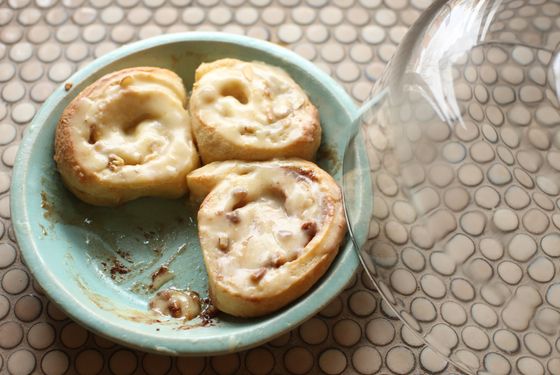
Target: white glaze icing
column 250, row 103
column 136, row 129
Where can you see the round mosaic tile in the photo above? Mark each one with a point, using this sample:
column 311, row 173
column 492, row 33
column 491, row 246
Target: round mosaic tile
column 298, row 360
column 123, row 362
column 314, row 331
column 28, row 308
column 259, row 361
column 41, row 335
column 332, row 361
column 12, row 334
column 367, row 360
column 7, row 133
column 89, row 362
column 347, row 332
column 21, row 362
column 41, row 91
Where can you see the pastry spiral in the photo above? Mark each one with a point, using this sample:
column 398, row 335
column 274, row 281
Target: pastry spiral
column 251, row 111
column 126, row 136
column 268, row 231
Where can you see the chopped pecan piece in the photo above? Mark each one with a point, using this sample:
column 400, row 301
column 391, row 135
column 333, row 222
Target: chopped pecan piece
column 223, row 243
column 233, row 216
column 258, row 275
column 174, row 309
column 115, row 161
column 239, row 193
column 310, row 227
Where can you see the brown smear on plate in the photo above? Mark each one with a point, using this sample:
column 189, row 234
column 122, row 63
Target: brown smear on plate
column 106, row 244
column 205, row 310
column 47, row 206
column 114, row 267
column 328, row 154
column 116, row 251
column 106, row 304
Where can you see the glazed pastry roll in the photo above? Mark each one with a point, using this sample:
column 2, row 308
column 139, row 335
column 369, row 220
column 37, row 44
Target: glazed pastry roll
column 268, row 231
column 251, row 111
column 126, row 136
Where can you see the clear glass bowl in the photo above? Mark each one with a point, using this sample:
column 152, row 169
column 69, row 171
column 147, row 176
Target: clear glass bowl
column 463, row 143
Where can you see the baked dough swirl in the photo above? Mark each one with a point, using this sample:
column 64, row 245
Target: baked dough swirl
column 251, row 111
column 126, row 136
column 268, row 231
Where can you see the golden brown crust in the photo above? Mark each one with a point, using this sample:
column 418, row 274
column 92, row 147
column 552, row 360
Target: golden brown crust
column 208, row 67
column 222, row 137
column 230, row 291
column 94, row 187
column 213, row 146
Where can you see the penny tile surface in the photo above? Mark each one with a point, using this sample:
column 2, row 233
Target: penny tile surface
column 43, row 42
column 490, row 270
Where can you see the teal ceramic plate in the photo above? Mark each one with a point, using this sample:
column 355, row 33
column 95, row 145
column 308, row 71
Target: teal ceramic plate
column 76, row 251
